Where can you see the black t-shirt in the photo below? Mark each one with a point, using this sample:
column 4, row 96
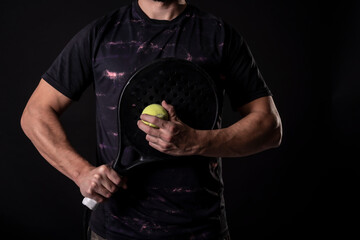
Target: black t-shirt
column 177, row 200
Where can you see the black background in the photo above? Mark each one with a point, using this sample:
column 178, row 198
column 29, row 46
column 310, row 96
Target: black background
column 308, row 52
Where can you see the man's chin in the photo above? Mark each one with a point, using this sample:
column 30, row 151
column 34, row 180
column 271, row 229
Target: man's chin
column 163, row 0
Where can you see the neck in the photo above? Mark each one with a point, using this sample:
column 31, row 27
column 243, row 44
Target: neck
column 167, row 10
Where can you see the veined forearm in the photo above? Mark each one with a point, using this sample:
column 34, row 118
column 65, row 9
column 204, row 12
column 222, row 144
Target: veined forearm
column 40, row 122
column 252, row 134
column 45, row 131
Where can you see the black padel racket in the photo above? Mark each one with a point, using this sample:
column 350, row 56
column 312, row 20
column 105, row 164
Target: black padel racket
column 180, row 83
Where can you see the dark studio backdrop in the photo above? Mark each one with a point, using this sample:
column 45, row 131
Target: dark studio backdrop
column 308, row 54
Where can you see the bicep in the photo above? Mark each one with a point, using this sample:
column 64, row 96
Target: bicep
column 46, row 97
column 264, row 105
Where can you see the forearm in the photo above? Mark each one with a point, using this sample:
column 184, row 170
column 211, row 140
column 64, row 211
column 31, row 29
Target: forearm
column 252, row 134
column 44, row 129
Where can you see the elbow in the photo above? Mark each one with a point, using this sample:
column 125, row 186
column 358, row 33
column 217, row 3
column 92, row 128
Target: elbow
column 29, row 119
column 25, row 121
column 277, row 137
column 276, row 133
column 272, row 131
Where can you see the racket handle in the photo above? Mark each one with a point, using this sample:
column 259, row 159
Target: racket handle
column 90, row 203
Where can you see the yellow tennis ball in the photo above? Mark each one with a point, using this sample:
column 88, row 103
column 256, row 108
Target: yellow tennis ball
column 155, row 110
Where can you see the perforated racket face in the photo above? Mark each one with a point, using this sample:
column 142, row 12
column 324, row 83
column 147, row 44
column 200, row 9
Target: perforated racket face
column 180, row 83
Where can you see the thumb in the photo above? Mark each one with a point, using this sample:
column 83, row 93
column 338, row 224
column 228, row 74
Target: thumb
column 170, row 109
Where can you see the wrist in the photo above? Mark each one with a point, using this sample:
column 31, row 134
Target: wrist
column 81, row 172
column 211, row 143
column 201, row 142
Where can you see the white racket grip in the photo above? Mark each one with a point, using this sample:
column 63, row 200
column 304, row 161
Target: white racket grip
column 90, row 203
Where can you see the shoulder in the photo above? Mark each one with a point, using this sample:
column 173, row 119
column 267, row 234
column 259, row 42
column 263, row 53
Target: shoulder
column 206, row 17
column 215, row 22
column 110, row 18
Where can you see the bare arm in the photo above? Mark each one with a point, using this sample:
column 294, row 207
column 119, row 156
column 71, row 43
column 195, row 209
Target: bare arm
column 258, row 130
column 40, row 122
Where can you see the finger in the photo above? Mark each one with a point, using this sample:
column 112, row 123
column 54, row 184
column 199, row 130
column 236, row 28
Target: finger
column 104, row 191
column 143, row 127
column 109, row 179
column 159, row 141
column 170, row 109
column 165, row 135
column 158, row 147
column 114, row 177
column 107, row 187
column 167, row 150
column 97, row 191
column 154, row 120
column 148, row 129
column 166, row 127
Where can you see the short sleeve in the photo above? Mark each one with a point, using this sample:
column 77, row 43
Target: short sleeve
column 71, row 72
column 243, row 80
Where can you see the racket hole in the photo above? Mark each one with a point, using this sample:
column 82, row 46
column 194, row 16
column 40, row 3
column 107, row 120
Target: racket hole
column 151, row 98
column 172, row 83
